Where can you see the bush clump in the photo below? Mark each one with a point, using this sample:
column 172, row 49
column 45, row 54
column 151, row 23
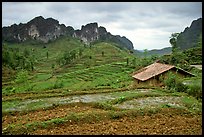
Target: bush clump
column 173, row 82
column 21, row 77
column 58, row 84
column 195, row 90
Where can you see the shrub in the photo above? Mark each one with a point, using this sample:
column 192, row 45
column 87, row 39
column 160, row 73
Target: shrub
column 29, row 87
column 58, row 84
column 173, row 82
column 180, row 87
column 22, row 76
column 119, row 100
column 104, row 106
column 116, row 115
column 195, row 90
column 170, row 82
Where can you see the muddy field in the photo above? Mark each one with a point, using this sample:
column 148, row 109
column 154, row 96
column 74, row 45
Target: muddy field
column 155, row 124
column 128, row 112
column 168, row 121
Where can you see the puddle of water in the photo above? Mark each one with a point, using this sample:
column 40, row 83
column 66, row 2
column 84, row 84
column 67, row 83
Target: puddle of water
column 150, row 102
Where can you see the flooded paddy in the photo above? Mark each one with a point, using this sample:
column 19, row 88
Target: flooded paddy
column 151, row 102
column 31, row 104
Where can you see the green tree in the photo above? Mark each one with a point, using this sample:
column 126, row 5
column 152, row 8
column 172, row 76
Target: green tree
column 32, row 61
column 173, row 41
column 127, row 60
column 47, row 54
column 80, row 52
column 102, row 53
column 154, row 57
column 26, row 52
column 145, row 52
column 22, row 76
column 200, row 41
column 73, row 55
column 134, row 62
column 31, row 65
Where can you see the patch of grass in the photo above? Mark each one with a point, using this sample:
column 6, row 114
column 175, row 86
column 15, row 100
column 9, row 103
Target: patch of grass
column 9, row 104
column 153, row 111
column 103, row 105
column 192, row 104
column 57, row 121
column 41, row 77
column 58, row 84
column 116, row 115
column 8, row 90
column 120, row 100
column 195, row 89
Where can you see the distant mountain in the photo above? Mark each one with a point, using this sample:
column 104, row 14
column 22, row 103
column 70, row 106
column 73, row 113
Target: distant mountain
column 163, row 51
column 158, row 52
column 49, row 29
column 190, row 36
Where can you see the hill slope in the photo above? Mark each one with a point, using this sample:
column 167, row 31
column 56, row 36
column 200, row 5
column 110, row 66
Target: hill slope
column 95, row 66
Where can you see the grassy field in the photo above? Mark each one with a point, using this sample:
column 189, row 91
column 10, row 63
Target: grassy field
column 94, row 90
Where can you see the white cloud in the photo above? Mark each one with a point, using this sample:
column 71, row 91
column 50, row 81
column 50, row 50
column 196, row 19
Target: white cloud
column 147, row 24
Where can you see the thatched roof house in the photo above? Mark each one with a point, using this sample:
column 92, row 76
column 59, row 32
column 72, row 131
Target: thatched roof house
column 154, row 74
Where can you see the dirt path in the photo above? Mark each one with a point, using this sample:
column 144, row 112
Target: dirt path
column 168, row 123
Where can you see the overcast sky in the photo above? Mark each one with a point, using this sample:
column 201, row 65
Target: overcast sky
column 147, row 24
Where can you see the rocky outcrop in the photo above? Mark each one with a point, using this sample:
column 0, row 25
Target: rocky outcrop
column 190, row 36
column 88, row 33
column 49, row 29
column 38, row 29
column 91, row 33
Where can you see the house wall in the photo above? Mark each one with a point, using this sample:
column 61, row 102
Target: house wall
column 157, row 80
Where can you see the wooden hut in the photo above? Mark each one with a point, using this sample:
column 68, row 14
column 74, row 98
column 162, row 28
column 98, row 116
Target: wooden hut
column 154, row 74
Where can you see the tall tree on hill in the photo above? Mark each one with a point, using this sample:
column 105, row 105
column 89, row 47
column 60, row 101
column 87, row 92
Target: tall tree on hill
column 47, row 54
column 127, row 61
column 80, row 52
column 173, row 40
column 145, row 52
column 200, row 41
column 102, row 53
column 26, row 52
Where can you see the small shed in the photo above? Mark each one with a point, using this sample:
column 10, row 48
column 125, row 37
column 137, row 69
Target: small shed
column 154, row 74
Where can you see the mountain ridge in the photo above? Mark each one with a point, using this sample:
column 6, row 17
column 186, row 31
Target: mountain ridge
column 49, row 29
